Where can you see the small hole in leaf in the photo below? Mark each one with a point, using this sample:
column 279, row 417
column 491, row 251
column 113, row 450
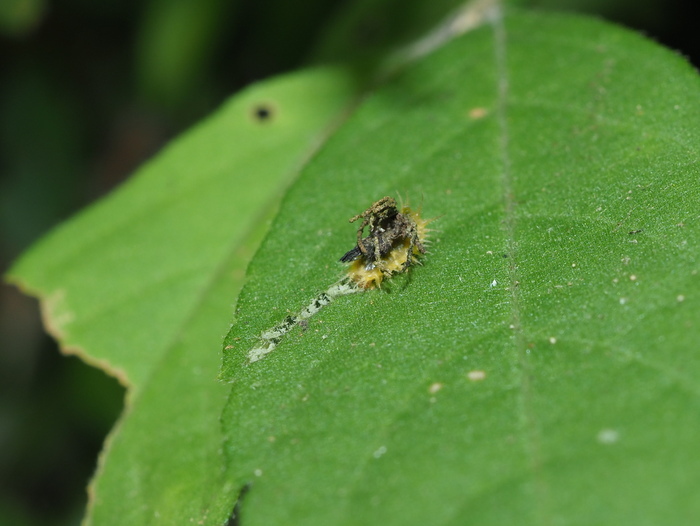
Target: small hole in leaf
column 263, row 113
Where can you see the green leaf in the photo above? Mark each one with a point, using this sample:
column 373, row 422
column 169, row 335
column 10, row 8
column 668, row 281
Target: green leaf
column 19, row 17
column 174, row 46
column 143, row 284
column 541, row 366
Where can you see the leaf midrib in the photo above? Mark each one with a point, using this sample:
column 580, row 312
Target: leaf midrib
column 530, row 436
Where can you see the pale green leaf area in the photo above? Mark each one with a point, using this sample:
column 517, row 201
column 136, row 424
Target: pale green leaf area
column 143, row 284
column 541, row 366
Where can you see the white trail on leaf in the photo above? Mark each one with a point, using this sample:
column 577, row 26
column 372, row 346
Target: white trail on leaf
column 273, row 336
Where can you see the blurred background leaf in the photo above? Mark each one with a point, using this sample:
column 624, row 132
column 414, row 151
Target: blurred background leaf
column 18, row 17
column 78, row 113
column 141, row 285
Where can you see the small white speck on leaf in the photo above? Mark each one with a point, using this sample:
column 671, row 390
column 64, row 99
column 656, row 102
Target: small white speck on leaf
column 478, row 113
column 379, row 452
column 434, row 388
column 476, row 376
column 608, row 436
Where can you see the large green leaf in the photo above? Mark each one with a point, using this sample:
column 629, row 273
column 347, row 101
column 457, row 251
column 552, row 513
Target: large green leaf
column 541, row 366
column 143, row 285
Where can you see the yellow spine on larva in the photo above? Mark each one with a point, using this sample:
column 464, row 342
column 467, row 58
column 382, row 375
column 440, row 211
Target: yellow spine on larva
column 369, row 275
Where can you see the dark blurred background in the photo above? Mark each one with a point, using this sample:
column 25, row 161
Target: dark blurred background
column 89, row 89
